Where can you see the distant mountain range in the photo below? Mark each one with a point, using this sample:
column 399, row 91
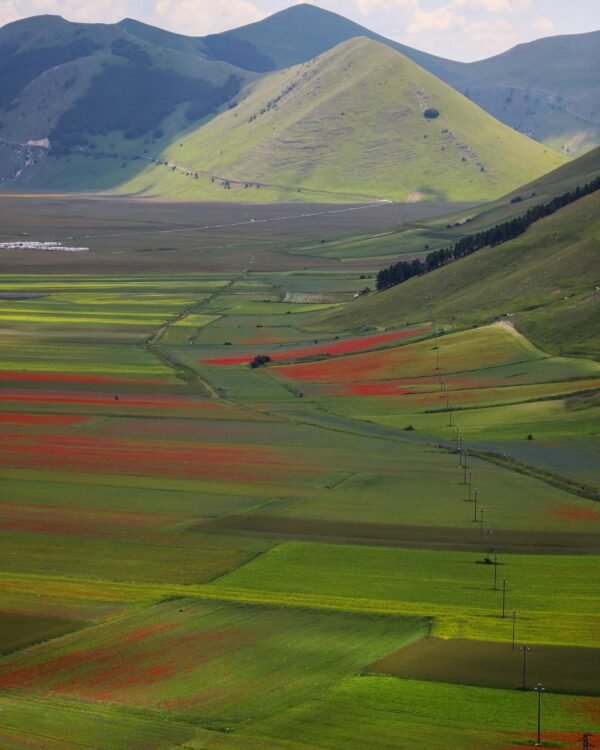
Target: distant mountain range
column 90, row 106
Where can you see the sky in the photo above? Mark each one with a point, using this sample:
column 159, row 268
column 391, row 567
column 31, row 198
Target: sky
column 457, row 29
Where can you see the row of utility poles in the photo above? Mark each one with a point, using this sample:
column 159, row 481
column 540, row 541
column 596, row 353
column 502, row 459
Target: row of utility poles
column 478, row 517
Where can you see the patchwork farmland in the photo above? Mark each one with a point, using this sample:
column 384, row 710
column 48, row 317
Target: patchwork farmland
column 196, row 553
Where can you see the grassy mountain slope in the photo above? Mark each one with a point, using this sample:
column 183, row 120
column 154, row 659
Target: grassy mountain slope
column 547, row 88
column 415, row 238
column 73, row 84
column 352, row 122
column 547, row 280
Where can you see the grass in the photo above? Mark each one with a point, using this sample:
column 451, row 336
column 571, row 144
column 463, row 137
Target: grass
column 293, row 147
column 402, row 713
column 224, row 662
column 543, row 279
column 34, row 723
column 499, row 386
column 117, row 512
column 553, row 594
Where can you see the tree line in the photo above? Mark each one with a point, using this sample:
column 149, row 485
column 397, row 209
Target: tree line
column 508, row 230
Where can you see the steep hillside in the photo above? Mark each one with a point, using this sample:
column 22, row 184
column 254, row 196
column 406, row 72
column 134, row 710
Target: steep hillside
column 65, row 86
column 547, row 89
column 359, row 121
column 546, row 282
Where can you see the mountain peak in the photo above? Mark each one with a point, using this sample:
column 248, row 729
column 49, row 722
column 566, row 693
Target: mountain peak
column 355, row 121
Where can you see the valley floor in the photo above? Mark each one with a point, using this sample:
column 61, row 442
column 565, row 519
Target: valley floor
column 379, row 539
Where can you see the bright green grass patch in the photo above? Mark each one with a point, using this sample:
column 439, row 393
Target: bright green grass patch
column 221, row 661
column 558, row 597
column 389, row 713
column 18, row 353
column 51, row 724
column 541, row 419
column 187, row 328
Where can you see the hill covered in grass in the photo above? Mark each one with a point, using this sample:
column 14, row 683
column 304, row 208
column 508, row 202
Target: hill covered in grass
column 545, row 282
column 360, row 121
column 547, row 89
column 94, row 88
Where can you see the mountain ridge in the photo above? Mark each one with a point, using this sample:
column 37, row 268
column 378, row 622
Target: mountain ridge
column 56, row 79
column 360, row 119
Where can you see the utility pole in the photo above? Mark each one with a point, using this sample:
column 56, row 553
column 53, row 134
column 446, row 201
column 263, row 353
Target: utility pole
column 481, row 512
column 539, row 688
column 470, row 483
column 465, row 468
column 524, row 648
column 586, row 741
column 504, row 583
column 475, row 506
column 514, row 625
column 496, row 571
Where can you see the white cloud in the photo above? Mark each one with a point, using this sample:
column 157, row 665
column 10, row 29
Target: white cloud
column 440, row 19
column 457, row 14
column 542, row 25
column 72, row 10
column 485, row 6
column 366, row 7
column 198, row 17
column 195, row 17
column 8, row 12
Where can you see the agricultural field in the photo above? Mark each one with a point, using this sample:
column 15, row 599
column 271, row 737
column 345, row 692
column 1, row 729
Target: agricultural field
column 196, row 553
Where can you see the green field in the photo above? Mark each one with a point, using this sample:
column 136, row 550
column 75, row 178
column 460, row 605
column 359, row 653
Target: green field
column 198, row 554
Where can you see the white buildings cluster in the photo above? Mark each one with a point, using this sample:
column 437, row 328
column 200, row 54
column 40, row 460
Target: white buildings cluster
column 52, row 246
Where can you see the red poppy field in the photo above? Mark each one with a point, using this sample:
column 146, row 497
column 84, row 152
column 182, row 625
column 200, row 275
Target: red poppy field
column 333, row 348
column 474, row 372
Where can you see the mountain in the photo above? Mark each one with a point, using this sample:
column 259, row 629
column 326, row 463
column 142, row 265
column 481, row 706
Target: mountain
column 302, row 32
column 123, row 93
column 359, row 121
column 98, row 88
column 546, row 279
column 548, row 89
